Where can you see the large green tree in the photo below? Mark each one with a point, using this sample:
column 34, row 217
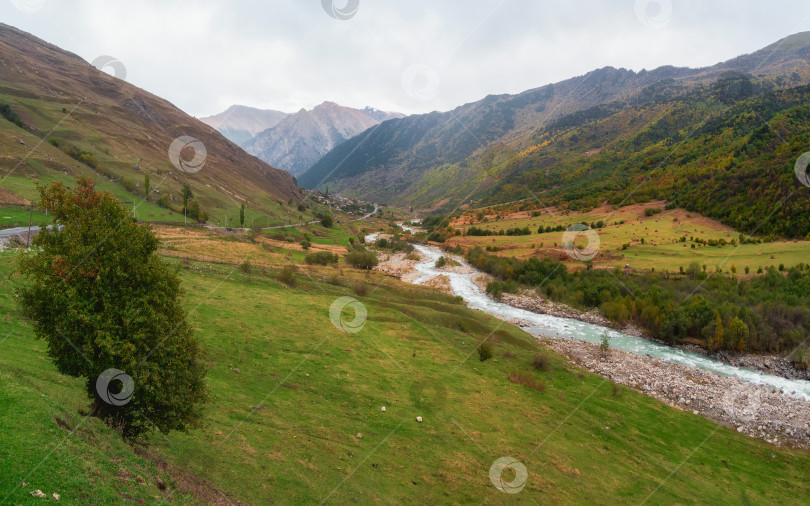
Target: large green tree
column 102, row 299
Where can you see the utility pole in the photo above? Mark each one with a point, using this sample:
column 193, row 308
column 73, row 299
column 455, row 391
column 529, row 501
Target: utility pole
column 30, row 217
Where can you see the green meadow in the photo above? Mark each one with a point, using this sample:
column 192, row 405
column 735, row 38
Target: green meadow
column 295, row 413
column 628, row 237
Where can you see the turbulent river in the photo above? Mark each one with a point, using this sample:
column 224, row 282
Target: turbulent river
column 565, row 328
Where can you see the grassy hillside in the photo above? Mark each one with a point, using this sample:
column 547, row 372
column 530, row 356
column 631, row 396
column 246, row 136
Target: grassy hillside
column 291, row 394
column 61, row 117
column 629, row 237
column 734, row 164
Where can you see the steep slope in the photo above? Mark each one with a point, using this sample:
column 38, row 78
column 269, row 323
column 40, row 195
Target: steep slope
column 79, row 120
column 387, row 162
column 300, row 139
column 734, row 162
column 240, row 123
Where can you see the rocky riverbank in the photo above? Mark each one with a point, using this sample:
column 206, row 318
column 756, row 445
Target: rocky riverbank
column 764, row 413
column 530, row 301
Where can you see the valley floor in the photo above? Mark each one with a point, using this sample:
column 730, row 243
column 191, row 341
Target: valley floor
column 296, row 414
column 756, row 410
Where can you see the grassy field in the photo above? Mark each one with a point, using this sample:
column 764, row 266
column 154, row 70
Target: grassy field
column 44, row 163
column 291, row 395
column 20, row 217
column 628, row 226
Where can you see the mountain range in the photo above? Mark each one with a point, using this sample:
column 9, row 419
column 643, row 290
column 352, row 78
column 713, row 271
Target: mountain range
column 67, row 118
column 481, row 151
column 240, row 123
column 299, row 140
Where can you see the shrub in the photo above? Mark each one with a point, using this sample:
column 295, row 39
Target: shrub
column 362, row 259
column 164, row 201
column 604, row 345
column 305, row 244
column 287, row 275
column 498, row 288
column 441, row 262
column 360, row 288
column 327, row 221
column 527, row 380
column 541, row 363
column 321, row 258
column 335, row 280
column 246, row 267
column 7, row 112
column 485, row 351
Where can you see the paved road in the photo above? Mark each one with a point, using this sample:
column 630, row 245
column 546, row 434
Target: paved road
column 376, row 207
column 17, row 231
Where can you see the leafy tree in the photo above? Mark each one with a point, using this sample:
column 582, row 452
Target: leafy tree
column 326, row 221
column 736, row 334
column 362, row 259
column 714, row 333
column 146, row 186
column 194, row 212
column 604, row 345
column 100, row 296
column 242, row 215
column 186, row 194
column 485, row 351
column 321, row 258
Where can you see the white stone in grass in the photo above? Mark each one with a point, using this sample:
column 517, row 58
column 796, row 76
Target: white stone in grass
column 38, row 493
column 382, row 409
column 419, row 419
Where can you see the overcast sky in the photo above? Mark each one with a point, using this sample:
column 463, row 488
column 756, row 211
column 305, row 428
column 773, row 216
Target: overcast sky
column 409, row 56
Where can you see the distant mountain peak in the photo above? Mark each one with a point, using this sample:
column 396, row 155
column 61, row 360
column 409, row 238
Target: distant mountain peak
column 240, row 123
column 300, row 139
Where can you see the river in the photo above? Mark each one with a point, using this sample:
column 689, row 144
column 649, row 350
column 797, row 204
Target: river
column 542, row 325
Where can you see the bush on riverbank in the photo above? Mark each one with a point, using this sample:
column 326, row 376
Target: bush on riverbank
column 768, row 313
